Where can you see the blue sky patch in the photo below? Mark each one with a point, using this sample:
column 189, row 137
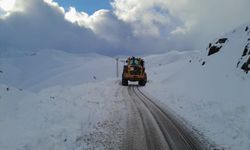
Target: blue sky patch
column 88, row 6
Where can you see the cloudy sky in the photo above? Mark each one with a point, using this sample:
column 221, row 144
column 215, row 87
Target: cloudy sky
column 117, row 26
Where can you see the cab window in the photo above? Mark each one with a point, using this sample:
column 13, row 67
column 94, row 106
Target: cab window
column 134, row 62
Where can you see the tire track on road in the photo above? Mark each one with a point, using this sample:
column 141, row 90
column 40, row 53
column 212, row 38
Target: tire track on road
column 157, row 129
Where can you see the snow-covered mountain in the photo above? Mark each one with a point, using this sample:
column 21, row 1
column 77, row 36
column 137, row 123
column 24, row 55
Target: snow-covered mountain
column 233, row 48
column 35, row 70
column 51, row 99
column 210, row 89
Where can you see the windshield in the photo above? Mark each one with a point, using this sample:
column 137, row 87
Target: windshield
column 134, row 62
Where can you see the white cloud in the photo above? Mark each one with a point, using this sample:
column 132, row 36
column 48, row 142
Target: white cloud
column 145, row 16
column 194, row 19
column 55, row 5
column 83, row 19
column 80, row 18
column 7, row 5
column 132, row 26
column 42, row 26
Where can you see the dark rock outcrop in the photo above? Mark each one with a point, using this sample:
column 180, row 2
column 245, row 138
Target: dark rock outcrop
column 245, row 50
column 238, row 64
column 246, row 66
column 210, row 44
column 213, row 50
column 221, row 41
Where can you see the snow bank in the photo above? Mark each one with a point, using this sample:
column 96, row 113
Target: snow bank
column 60, row 117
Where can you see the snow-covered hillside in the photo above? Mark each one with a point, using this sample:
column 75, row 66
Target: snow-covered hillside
column 210, row 92
column 36, row 70
column 55, row 100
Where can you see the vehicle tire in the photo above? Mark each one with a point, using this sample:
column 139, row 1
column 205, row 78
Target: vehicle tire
column 142, row 83
column 124, row 82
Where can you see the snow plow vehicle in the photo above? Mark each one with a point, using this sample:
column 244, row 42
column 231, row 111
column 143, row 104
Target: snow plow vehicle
column 134, row 70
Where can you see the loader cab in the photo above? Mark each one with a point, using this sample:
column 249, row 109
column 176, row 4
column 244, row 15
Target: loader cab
column 135, row 62
column 134, row 71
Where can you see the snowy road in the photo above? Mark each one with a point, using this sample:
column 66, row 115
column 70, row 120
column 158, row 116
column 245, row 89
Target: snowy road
column 149, row 127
